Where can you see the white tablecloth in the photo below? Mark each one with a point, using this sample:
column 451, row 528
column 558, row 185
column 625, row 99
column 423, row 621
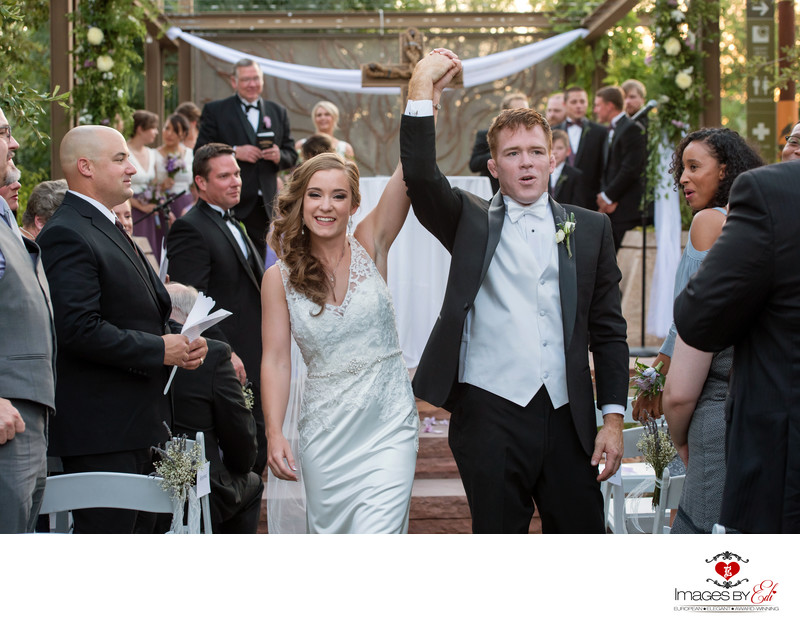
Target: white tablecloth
column 418, row 266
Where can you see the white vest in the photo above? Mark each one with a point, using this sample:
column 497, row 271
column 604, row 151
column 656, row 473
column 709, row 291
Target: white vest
column 513, row 338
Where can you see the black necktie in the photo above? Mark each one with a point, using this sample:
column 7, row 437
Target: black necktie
column 121, row 229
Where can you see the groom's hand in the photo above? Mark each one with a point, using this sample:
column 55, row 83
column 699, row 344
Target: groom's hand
column 429, row 70
column 609, row 441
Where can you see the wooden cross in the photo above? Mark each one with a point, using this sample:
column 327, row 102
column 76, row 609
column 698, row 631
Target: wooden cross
column 377, row 75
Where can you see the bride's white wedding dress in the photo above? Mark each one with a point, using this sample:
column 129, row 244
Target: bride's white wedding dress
column 358, row 420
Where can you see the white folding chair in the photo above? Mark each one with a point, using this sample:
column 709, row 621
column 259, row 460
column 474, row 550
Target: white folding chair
column 671, row 489
column 205, row 505
column 113, row 490
column 89, row 490
column 614, row 495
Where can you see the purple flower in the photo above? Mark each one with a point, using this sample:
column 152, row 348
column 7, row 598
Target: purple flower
column 88, row 63
column 174, row 164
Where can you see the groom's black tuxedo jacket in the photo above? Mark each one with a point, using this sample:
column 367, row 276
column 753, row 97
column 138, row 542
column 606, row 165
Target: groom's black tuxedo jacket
column 224, row 121
column 469, row 227
column 110, row 311
column 203, row 253
column 747, row 294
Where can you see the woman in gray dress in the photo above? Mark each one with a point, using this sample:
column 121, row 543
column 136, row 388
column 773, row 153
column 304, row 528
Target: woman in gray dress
column 704, row 166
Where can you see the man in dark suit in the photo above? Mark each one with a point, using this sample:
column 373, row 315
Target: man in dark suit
column 210, row 400
column 509, row 352
column 480, row 149
column 27, row 370
column 747, row 294
column 111, row 310
column 625, row 162
column 208, row 250
column 586, row 140
column 245, row 121
column 565, row 181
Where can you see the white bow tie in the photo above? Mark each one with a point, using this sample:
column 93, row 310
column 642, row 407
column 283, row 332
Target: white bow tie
column 517, row 210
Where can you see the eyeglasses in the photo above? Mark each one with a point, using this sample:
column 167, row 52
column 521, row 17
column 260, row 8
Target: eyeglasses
column 794, row 141
column 5, row 130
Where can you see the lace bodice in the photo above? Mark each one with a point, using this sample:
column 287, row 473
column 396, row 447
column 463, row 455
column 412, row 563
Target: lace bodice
column 352, row 350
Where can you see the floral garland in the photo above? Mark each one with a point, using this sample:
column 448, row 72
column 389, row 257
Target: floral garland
column 676, row 73
column 108, row 36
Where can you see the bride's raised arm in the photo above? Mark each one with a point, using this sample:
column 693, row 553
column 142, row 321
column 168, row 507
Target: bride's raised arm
column 378, row 230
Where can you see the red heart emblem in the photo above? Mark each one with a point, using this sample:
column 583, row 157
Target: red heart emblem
column 726, row 570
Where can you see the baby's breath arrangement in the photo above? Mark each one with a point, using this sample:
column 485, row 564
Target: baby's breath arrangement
column 178, row 466
column 658, row 450
column 249, row 398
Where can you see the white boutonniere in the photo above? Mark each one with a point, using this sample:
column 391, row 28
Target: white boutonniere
column 565, row 230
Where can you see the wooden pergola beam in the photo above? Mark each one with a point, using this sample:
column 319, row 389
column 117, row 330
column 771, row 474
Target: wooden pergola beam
column 312, row 20
column 605, row 17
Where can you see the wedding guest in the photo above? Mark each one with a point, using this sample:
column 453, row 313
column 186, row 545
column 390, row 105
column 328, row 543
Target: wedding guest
column 624, row 164
column 27, row 356
column 325, row 117
column 191, row 113
column 705, row 164
column 555, row 112
column 43, row 201
column 211, row 400
column 746, row 294
column 717, row 156
column 174, row 164
column 480, row 148
column 791, row 150
column 110, row 310
column 148, row 221
column 586, row 140
column 124, row 215
column 9, row 190
column 565, row 181
column 236, row 121
column 316, row 144
column 635, row 96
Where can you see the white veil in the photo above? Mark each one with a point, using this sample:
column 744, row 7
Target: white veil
column 286, row 500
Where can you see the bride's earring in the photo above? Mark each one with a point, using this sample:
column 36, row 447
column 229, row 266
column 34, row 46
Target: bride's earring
column 302, row 229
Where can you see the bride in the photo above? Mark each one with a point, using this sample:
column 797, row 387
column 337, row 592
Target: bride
column 358, row 420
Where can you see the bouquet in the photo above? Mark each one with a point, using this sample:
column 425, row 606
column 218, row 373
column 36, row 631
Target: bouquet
column 658, row 450
column 647, row 380
column 174, row 165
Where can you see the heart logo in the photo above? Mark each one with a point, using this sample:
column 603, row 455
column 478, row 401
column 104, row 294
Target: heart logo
column 726, row 570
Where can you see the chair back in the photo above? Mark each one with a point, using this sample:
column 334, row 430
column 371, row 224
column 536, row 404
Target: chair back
column 671, row 489
column 205, row 505
column 89, row 490
column 614, row 495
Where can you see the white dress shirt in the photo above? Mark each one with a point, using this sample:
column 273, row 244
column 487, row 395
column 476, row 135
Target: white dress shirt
column 237, row 234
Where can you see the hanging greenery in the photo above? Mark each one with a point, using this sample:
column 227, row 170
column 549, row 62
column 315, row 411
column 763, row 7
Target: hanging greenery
column 108, row 37
column 676, row 73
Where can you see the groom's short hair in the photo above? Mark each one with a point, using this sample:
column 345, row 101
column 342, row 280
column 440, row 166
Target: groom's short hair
column 512, row 119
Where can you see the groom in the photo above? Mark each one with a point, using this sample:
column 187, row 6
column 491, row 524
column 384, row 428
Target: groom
column 508, row 355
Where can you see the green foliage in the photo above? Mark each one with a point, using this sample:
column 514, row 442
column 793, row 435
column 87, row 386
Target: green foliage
column 108, row 37
column 24, row 91
column 25, row 94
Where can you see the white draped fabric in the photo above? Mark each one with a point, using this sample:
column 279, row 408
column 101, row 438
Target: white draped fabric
column 668, row 254
column 418, row 266
column 476, row 71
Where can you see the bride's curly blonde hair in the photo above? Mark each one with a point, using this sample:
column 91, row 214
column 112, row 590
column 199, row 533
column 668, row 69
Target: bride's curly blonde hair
column 288, row 238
